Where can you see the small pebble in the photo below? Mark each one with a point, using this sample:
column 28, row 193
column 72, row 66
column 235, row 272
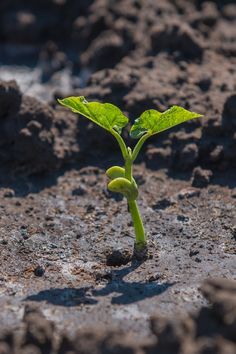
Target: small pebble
column 39, row 271
column 9, row 193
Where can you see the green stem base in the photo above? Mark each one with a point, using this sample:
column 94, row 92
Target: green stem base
column 141, row 252
column 140, row 241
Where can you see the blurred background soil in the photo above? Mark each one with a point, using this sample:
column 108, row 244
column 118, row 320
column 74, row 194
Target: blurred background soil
column 65, row 240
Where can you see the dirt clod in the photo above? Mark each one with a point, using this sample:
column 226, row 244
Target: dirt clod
column 116, row 258
column 176, row 37
column 201, row 177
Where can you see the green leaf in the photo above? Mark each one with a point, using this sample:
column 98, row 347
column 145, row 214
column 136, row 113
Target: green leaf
column 154, row 122
column 106, row 115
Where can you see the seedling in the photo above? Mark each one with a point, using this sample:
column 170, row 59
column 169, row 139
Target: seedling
column 150, row 122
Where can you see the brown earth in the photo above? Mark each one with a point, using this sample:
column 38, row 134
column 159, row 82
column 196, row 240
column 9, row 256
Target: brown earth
column 69, row 283
column 209, row 331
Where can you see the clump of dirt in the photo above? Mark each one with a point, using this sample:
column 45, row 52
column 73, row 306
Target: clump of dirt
column 38, row 332
column 26, row 136
column 31, row 135
column 201, row 177
column 211, row 330
column 118, row 257
column 176, row 37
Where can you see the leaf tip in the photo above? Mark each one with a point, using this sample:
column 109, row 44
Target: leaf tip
column 60, row 100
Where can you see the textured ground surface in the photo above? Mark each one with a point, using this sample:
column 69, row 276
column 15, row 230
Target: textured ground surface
column 68, row 280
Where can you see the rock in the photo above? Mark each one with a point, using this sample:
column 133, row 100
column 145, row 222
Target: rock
column 205, row 83
column 39, row 271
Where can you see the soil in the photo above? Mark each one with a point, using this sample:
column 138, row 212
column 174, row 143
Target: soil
column 69, row 280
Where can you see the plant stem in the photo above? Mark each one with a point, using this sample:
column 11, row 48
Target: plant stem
column 139, row 145
column 129, row 157
column 120, row 142
column 140, row 241
column 128, row 168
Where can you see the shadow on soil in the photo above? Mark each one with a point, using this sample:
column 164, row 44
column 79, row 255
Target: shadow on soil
column 67, row 297
column 130, row 292
column 22, row 185
column 219, row 178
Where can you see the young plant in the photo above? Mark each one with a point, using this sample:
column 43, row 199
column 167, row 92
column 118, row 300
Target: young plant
column 150, row 122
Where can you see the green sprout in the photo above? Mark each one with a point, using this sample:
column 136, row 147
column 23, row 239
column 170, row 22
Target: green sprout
column 150, row 122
